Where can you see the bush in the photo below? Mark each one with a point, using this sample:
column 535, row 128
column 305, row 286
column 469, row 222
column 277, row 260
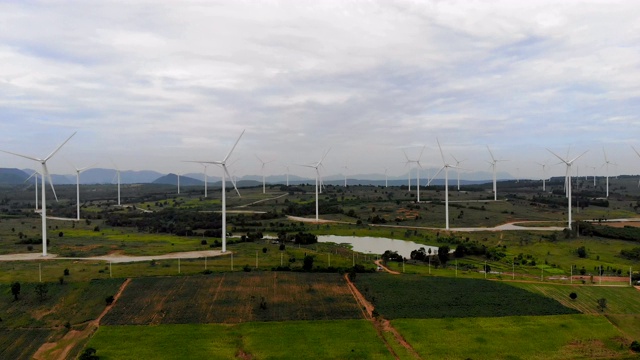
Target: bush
column 89, row 354
column 573, row 296
column 66, row 272
column 635, row 346
column 109, row 300
column 246, row 268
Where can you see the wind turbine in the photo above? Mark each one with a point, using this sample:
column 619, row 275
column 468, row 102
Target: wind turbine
column 544, row 176
column 458, row 162
column 178, row 176
column 78, row 171
column 225, row 173
column 568, row 180
column 35, row 176
column 204, row 173
column 118, row 178
column 264, row 187
column 287, row 167
column 386, row 177
column 345, row 174
column 316, row 166
column 606, row 164
column 493, row 163
column 45, row 175
column 637, row 153
column 418, row 167
column 446, row 167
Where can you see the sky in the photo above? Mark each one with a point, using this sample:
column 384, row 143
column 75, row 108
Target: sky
column 150, row 84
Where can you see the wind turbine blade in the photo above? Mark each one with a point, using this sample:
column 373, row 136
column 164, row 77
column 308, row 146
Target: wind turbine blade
column 46, row 171
column 59, row 147
column 434, row 176
column 22, row 156
column 422, row 151
column 32, row 175
column 406, row 156
column 234, row 146
column 605, row 155
column 556, row 155
column 490, row 153
column 441, row 154
column 324, row 156
column 232, row 181
column 634, row 149
column 577, row 157
column 258, row 157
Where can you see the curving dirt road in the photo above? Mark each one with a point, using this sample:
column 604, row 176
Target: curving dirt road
column 117, row 258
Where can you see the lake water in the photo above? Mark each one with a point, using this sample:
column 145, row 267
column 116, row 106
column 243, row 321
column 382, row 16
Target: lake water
column 375, row 245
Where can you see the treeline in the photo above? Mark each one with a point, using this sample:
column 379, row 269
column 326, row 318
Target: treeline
column 630, row 233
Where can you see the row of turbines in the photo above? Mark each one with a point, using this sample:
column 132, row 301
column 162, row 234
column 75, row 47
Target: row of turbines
column 45, row 175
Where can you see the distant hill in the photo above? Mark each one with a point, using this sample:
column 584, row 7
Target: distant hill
column 172, row 179
column 13, row 176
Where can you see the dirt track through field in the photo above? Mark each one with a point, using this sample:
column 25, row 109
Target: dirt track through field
column 53, row 350
column 380, row 324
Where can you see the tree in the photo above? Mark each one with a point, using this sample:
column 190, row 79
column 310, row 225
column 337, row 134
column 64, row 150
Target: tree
column 602, row 304
column 582, row 252
column 89, row 354
column 15, row 290
column 109, row 300
column 443, row 254
column 307, row 263
column 42, row 289
column 573, row 296
column 635, row 346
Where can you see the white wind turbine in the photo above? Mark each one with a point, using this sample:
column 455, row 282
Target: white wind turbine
column 117, row 176
column 35, row 176
column 418, row 167
column 544, row 176
column 45, row 175
column 457, row 166
column 493, row 163
column 225, row 173
column 178, row 178
column 78, row 171
column 637, row 153
column 594, row 174
column 568, row 181
column 204, row 173
column 264, row 187
column 316, row 166
column 386, row 177
column 606, row 165
column 287, row 167
column 346, row 169
column 446, row 167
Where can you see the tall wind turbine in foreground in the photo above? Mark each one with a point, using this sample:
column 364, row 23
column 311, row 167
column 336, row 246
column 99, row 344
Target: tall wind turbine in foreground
column 45, row 176
column 225, row 173
column 493, row 163
column 316, row 166
column 418, row 167
column 78, row 171
column 606, row 165
column 568, row 181
column 446, row 167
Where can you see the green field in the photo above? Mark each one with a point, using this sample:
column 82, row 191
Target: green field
column 519, row 337
column 341, row 339
column 419, row 297
column 233, row 298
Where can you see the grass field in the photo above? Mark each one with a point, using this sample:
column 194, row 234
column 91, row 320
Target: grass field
column 233, row 298
column 341, row 339
column 412, row 296
column 520, row 337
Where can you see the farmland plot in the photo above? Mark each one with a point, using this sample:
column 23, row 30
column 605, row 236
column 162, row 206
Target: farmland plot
column 234, row 298
column 433, row 297
column 22, row 344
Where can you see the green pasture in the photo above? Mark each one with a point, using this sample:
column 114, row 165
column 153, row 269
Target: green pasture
column 516, row 337
column 340, row 339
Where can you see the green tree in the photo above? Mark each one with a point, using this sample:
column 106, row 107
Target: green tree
column 582, row 252
column 15, row 290
column 602, row 304
column 573, row 296
column 307, row 263
column 443, row 254
column 89, row 354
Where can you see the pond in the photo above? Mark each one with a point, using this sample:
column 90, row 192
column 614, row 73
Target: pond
column 376, row 245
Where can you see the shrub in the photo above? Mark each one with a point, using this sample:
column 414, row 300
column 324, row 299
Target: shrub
column 635, row 346
column 109, row 300
column 66, row 272
column 573, row 296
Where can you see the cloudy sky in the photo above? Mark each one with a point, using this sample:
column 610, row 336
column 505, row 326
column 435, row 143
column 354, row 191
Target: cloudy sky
column 151, row 83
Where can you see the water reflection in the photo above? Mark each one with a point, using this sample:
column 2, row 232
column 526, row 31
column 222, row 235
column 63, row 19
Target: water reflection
column 376, row 245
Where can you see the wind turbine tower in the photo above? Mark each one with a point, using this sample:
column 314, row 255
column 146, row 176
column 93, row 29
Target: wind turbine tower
column 316, row 166
column 568, row 163
column 225, row 173
column 264, row 187
column 493, row 164
column 418, row 167
column 78, row 171
column 45, row 175
column 544, row 176
column 445, row 167
column 606, row 165
column 457, row 166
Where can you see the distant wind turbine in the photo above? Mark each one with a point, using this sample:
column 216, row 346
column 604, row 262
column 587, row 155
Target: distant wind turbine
column 457, row 166
column 45, row 175
column 418, row 167
column 568, row 163
column 204, row 173
column 78, row 171
column 493, row 164
column 606, row 165
column 316, row 166
column 386, row 178
column 637, row 153
column 225, row 173
column 264, row 187
column 544, row 175
column 445, row 167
